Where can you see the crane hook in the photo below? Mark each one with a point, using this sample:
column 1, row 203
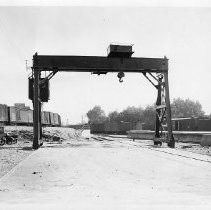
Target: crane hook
column 120, row 75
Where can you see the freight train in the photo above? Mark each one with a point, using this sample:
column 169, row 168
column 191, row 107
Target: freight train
column 178, row 124
column 111, row 127
column 192, row 124
column 19, row 114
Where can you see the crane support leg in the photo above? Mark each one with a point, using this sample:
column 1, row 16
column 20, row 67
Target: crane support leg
column 171, row 140
column 163, row 125
column 158, row 103
column 36, row 113
column 40, row 120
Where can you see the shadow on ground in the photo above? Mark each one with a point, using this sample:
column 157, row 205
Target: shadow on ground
column 65, row 145
column 27, row 148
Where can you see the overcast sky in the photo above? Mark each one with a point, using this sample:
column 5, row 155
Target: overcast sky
column 183, row 34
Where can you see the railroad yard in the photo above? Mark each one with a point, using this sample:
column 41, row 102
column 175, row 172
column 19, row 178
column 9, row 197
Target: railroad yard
column 102, row 170
column 105, row 105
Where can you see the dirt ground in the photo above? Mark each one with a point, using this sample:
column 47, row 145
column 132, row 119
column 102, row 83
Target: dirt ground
column 195, row 148
column 11, row 155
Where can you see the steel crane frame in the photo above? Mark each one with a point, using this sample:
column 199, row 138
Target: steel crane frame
column 154, row 69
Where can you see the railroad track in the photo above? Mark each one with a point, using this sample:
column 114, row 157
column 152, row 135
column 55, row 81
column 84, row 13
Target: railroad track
column 147, row 144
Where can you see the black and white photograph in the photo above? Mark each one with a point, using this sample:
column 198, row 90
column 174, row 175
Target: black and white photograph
column 105, row 104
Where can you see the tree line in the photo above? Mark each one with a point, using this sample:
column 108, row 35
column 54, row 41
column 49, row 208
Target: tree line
column 180, row 108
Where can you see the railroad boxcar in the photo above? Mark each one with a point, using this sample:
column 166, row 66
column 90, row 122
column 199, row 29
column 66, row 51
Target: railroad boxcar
column 12, row 115
column 30, row 116
column 97, row 128
column 111, row 127
column 204, row 125
column 60, row 122
column 51, row 119
column 57, row 119
column 24, row 117
column 45, row 118
column 124, row 127
column 184, row 124
column 17, row 116
column 3, row 113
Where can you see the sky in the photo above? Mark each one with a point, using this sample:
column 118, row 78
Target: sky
column 182, row 33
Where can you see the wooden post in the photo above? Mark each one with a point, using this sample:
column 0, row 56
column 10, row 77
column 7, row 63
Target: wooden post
column 168, row 108
column 36, row 99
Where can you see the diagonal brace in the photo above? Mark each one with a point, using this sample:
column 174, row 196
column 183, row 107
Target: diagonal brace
column 48, row 77
column 144, row 73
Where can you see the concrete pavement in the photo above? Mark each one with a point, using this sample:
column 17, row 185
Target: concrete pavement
column 107, row 175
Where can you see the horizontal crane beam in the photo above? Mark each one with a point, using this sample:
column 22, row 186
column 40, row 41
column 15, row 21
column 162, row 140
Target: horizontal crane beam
column 98, row 64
